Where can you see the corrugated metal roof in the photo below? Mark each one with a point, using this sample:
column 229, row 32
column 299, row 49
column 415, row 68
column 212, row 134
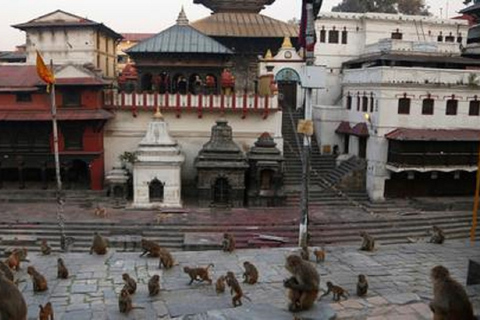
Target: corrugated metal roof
column 407, row 134
column 248, row 25
column 180, row 39
column 136, row 37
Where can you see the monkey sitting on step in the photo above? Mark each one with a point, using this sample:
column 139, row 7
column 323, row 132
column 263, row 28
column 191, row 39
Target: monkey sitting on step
column 125, row 302
column 100, row 211
column 151, row 248
column 319, row 255
column 166, row 259
column 251, row 273
column 368, row 243
column 198, row 274
column 62, row 271
column 17, row 255
column 46, row 312
column 220, row 285
column 99, row 244
column 438, row 236
column 12, row 303
column 362, row 285
column 39, row 281
column 450, row 301
column 228, row 243
column 130, row 283
column 154, row 285
column 45, row 248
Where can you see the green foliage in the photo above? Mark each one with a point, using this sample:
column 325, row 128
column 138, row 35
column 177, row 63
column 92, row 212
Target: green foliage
column 128, row 157
column 409, row 7
column 473, row 80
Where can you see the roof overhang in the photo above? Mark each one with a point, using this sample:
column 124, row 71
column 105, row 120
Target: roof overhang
column 62, row 115
column 395, row 167
column 407, row 134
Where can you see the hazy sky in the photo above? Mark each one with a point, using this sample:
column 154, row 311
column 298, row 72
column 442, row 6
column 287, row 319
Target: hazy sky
column 145, row 15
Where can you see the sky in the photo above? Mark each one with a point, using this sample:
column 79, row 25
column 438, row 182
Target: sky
column 151, row 16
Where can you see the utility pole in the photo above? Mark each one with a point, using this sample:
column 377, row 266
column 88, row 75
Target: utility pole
column 475, row 202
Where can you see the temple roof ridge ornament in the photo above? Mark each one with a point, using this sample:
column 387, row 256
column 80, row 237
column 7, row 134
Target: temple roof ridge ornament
column 268, row 55
column 182, row 19
column 287, row 43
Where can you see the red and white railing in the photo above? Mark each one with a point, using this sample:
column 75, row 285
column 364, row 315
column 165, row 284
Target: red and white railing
column 178, row 103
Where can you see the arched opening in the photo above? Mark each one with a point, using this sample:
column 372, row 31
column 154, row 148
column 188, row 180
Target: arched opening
column 287, row 80
column 221, row 192
column 266, row 179
column 155, row 190
column 147, row 82
column 195, row 84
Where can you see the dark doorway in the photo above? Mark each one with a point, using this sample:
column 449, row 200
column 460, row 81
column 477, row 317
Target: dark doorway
column 77, row 175
column 346, row 143
column 287, row 95
column 362, row 147
column 266, row 177
column 221, row 192
column 155, row 190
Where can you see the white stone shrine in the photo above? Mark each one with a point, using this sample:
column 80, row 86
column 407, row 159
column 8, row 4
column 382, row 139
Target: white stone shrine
column 157, row 171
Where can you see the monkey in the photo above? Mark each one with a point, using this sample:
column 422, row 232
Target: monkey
column 305, row 253
column 303, row 285
column 125, row 302
column 368, row 243
column 228, row 243
column 62, row 271
column 337, row 291
column 251, row 273
column 154, row 285
column 130, row 283
column 100, row 211
column 153, row 249
column 232, row 282
column 12, row 303
column 437, row 235
column 6, row 271
column 198, row 274
column 17, row 255
column 39, row 281
column 46, row 312
column 45, row 248
column 319, row 255
column 99, row 245
column 450, row 301
column 220, row 285
column 166, row 259
column 362, row 285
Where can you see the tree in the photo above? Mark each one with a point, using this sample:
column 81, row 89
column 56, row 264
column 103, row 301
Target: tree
column 410, row 7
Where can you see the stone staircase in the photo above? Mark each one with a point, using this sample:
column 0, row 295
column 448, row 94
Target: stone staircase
column 324, row 173
column 49, row 196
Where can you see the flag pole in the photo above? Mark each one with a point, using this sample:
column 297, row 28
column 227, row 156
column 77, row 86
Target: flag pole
column 59, row 195
column 475, row 202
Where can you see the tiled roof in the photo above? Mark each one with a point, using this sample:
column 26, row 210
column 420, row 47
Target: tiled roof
column 180, row 39
column 248, row 25
column 344, row 127
column 406, row 134
column 136, row 37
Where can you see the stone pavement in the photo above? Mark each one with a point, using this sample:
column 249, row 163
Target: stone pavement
column 398, row 275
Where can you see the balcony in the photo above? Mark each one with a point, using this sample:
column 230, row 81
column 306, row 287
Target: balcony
column 178, row 103
column 392, row 46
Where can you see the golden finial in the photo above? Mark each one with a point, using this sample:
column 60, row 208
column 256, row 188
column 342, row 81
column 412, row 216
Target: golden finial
column 268, row 55
column 287, row 43
column 158, row 114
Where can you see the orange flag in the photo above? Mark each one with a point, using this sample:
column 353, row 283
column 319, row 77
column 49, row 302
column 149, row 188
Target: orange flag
column 43, row 71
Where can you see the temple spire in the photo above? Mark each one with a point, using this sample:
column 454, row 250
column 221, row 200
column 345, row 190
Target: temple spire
column 182, row 19
column 287, row 43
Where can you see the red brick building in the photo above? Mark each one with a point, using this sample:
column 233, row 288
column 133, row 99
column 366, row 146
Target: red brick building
column 26, row 139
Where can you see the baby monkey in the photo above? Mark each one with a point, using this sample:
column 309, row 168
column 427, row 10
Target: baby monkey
column 362, row 285
column 251, row 273
column 337, row 291
column 154, row 285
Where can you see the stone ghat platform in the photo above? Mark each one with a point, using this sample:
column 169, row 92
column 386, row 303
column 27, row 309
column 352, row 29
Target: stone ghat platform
column 398, row 275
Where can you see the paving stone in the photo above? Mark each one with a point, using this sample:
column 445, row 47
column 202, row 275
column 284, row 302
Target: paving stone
column 84, row 288
column 352, row 304
column 402, row 298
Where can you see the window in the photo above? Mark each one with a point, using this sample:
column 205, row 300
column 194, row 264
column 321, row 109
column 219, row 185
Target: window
column 427, row 106
column 349, row 102
column 404, row 106
column 73, row 137
column 323, row 35
column 333, row 36
column 440, row 37
column 372, row 104
column 474, row 109
column 364, row 103
column 71, row 98
column 24, row 97
column 358, row 102
column 450, row 38
column 452, row 106
column 344, row 36
column 397, row 35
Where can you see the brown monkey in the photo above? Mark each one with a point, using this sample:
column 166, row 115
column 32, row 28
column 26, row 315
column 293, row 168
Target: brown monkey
column 125, row 302
column 251, row 273
column 362, row 285
column 99, row 245
column 305, row 253
column 154, row 285
column 232, row 282
column 39, row 281
column 17, row 255
column 46, row 312
column 368, row 243
column 220, row 285
column 437, row 235
column 198, row 274
column 45, row 248
column 319, row 255
column 62, row 271
column 100, row 211
column 337, row 291
column 151, row 247
column 303, row 285
column 12, row 303
column 6, row 271
column 130, row 283
column 228, row 243
column 450, row 301
column 166, row 259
